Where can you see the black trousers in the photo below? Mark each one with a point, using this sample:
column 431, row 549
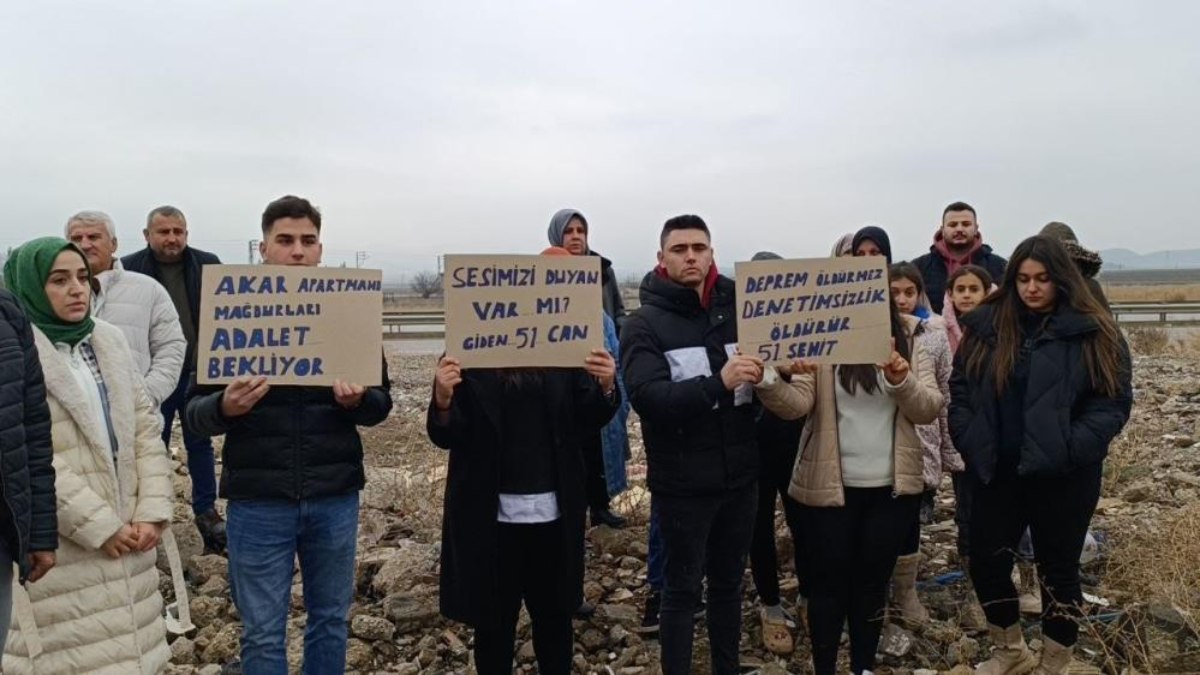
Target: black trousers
column 777, row 458
column 597, row 484
column 964, row 484
column 704, row 536
column 1057, row 512
column 529, row 571
column 852, row 553
column 912, row 541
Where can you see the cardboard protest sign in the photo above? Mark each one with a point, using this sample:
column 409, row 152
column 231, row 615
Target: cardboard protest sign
column 511, row 311
column 295, row 325
column 829, row 310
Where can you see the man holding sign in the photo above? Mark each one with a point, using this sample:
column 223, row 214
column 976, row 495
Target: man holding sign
column 292, row 472
column 693, row 391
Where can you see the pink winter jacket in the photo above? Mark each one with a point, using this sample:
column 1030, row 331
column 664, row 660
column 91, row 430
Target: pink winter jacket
column 939, row 452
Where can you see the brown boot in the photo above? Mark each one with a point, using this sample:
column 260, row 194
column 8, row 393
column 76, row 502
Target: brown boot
column 1056, row 659
column 971, row 617
column 904, row 590
column 1010, row 654
column 1029, row 590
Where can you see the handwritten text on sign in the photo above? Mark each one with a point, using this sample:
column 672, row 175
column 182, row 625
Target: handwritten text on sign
column 293, row 325
column 522, row 310
column 830, row 310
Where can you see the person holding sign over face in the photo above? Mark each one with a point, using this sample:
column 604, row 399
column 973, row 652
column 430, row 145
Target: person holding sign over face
column 293, row 468
column 859, row 477
column 1041, row 385
column 693, row 391
column 513, row 517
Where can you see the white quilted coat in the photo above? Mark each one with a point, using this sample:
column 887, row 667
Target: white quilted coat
column 142, row 309
column 94, row 614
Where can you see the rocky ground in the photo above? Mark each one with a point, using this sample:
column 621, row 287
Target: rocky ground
column 1144, row 586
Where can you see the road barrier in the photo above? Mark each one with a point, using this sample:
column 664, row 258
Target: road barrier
column 431, row 323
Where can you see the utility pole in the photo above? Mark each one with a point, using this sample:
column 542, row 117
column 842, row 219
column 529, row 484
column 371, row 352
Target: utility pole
column 439, row 266
column 360, row 257
column 251, row 247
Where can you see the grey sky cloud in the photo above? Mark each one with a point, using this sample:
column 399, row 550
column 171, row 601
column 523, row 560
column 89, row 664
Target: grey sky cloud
column 423, row 128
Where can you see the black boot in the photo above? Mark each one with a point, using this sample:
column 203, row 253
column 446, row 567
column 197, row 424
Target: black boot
column 607, row 517
column 212, row 532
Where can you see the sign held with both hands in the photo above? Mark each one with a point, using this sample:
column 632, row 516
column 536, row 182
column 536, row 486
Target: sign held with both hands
column 293, row 325
column 520, row 311
column 827, row 310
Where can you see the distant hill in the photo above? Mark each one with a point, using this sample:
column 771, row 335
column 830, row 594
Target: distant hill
column 1123, row 258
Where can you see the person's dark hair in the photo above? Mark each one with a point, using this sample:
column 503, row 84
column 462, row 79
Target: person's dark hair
column 688, row 222
column 976, row 271
column 166, row 211
column 907, row 270
column 290, row 206
column 959, row 206
column 866, row 375
column 1102, row 349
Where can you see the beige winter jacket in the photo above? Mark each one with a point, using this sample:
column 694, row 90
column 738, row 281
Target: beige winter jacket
column 817, row 475
column 92, row 613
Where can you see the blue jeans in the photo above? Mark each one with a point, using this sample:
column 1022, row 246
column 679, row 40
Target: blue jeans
column 264, row 538
column 656, row 559
column 200, row 459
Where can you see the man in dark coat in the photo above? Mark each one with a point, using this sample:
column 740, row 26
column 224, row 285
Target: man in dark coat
column 693, row 392
column 569, row 230
column 957, row 243
column 292, row 472
column 170, row 261
column 28, row 511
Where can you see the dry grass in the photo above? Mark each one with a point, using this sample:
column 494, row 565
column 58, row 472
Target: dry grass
column 1148, row 340
column 1152, row 293
column 1157, row 564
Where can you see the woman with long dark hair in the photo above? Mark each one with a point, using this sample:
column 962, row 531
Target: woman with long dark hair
column 1041, row 386
column 512, row 530
column 859, row 476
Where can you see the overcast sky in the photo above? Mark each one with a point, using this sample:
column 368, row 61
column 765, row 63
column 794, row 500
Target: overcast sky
column 422, row 128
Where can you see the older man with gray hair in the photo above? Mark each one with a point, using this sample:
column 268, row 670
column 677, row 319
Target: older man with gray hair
column 133, row 302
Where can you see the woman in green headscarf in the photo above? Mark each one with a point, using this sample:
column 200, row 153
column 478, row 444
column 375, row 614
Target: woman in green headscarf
column 99, row 610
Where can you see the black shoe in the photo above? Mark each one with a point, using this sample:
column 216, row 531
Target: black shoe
column 212, row 532
column 585, row 610
column 649, row 627
column 607, row 517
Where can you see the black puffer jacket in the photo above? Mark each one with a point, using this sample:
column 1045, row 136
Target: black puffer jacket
column 699, row 439
column 1068, row 424
column 297, row 442
column 28, row 512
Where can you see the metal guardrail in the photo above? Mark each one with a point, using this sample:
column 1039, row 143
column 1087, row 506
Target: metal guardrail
column 1157, row 313
column 431, row 323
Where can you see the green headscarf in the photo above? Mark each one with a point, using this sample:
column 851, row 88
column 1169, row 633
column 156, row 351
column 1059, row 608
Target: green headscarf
column 25, row 275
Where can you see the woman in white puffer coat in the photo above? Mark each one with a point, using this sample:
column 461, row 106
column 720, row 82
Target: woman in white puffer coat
column 99, row 610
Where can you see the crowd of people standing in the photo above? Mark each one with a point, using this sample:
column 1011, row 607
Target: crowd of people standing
column 1009, row 375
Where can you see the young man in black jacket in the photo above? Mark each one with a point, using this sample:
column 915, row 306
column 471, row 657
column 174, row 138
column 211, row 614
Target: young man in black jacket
column 693, row 391
column 293, row 468
column 956, row 243
column 171, row 262
column 28, row 512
